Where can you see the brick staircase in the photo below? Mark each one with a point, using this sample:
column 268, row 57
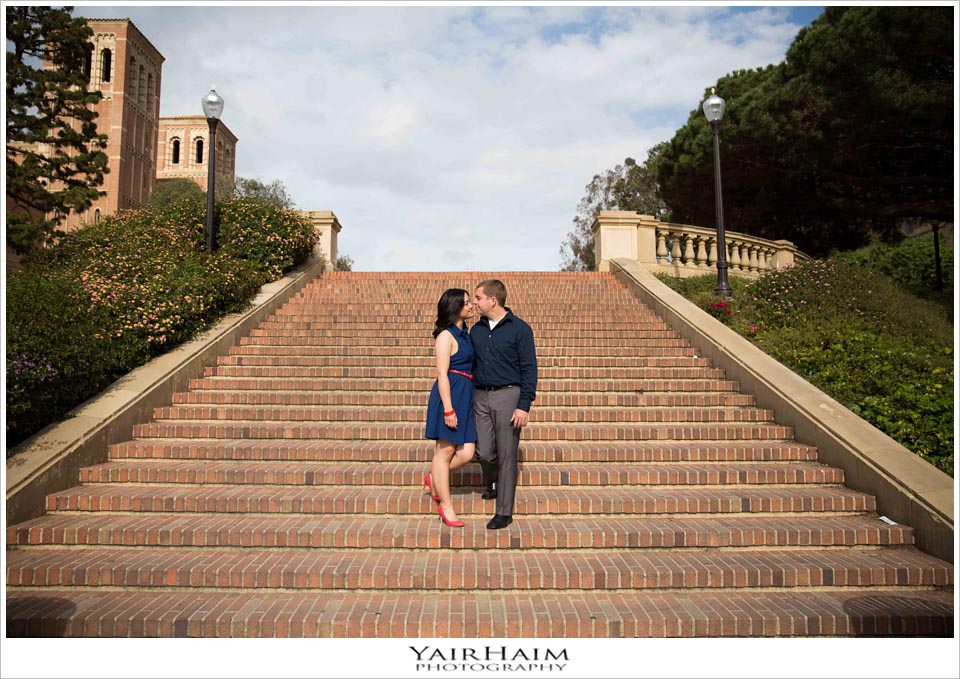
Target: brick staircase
column 281, row 496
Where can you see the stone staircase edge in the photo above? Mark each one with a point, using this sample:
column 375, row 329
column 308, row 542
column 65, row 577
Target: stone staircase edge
column 50, row 460
column 908, row 489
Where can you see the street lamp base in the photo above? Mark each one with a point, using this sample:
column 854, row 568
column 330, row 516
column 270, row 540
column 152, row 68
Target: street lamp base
column 723, row 288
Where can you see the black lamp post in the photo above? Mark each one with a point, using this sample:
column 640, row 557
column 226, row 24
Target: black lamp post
column 212, row 108
column 713, row 108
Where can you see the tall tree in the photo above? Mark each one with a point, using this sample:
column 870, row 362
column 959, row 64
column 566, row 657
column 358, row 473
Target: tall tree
column 55, row 158
column 169, row 191
column 626, row 187
column 850, row 134
column 275, row 192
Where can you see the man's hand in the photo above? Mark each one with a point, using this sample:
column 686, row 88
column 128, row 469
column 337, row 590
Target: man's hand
column 519, row 419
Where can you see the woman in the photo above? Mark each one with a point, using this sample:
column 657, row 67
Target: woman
column 450, row 409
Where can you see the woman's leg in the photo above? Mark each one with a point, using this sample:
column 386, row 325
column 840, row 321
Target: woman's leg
column 443, row 455
column 463, row 455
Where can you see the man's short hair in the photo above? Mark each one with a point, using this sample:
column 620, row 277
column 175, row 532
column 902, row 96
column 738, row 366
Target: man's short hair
column 494, row 288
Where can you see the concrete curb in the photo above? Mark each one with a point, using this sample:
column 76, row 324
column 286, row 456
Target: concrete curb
column 908, row 489
column 50, row 461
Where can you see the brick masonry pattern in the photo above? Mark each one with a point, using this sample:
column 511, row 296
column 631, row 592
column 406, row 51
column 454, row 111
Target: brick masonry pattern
column 280, row 496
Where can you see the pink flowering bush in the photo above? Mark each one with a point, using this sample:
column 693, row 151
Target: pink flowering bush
column 111, row 295
column 273, row 238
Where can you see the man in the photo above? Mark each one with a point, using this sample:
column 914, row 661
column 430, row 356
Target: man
column 506, row 385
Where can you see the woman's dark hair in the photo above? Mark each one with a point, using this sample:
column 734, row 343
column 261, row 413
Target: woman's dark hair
column 448, row 309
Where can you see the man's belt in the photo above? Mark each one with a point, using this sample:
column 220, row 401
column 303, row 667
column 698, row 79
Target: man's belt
column 505, row 386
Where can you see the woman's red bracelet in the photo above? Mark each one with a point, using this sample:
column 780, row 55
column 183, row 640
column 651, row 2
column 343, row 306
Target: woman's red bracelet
column 449, row 414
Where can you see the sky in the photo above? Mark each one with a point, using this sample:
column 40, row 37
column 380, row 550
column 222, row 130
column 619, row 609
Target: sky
column 450, row 137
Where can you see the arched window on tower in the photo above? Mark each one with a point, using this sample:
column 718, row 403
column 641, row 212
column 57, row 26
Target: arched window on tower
column 96, row 215
column 106, row 59
column 132, row 79
column 142, row 87
column 176, row 151
column 150, row 93
column 199, row 151
column 88, row 62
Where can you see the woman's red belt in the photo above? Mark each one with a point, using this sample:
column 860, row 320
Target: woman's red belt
column 467, row 375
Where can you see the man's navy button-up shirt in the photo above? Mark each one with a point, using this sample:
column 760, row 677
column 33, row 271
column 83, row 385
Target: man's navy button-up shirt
column 506, row 355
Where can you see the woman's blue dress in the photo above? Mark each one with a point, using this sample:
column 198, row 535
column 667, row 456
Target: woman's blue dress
column 461, row 394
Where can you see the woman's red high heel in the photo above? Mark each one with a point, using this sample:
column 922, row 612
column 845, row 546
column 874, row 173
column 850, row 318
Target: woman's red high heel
column 428, row 485
column 443, row 517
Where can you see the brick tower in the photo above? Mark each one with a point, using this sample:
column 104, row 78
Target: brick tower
column 126, row 67
column 183, row 149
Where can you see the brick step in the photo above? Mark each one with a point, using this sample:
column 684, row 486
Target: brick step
column 483, row 615
column 419, row 399
column 197, row 472
column 434, row 283
column 422, row 451
column 418, row 414
column 422, row 359
column 409, row 500
column 387, row 330
column 535, row 431
column 424, row 301
column 525, row 294
column 304, row 315
column 424, row 384
column 425, row 349
column 607, row 300
column 605, row 295
column 631, row 344
column 391, row 372
column 376, row 321
column 415, row 532
column 465, row 571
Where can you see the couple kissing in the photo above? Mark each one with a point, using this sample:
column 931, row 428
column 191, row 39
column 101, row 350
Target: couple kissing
column 480, row 402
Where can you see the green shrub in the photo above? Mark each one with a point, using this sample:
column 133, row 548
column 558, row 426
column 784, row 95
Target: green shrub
column 912, row 263
column 859, row 336
column 48, row 372
column 111, row 295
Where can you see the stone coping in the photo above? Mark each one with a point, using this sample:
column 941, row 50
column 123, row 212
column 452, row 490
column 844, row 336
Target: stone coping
column 908, row 489
column 50, row 461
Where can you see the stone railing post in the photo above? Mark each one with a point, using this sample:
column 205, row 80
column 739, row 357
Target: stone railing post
column 327, row 226
column 622, row 233
column 784, row 256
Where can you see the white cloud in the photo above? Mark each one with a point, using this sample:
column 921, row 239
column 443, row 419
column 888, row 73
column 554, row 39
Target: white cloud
column 449, row 137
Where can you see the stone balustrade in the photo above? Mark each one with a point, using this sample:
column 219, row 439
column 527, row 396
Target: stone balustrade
column 683, row 250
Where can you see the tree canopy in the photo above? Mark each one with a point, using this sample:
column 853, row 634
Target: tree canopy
column 55, row 160
column 168, row 191
column 626, row 187
column 274, row 193
column 850, row 134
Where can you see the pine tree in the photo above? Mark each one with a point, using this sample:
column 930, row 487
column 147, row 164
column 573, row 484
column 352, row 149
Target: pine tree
column 55, row 158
